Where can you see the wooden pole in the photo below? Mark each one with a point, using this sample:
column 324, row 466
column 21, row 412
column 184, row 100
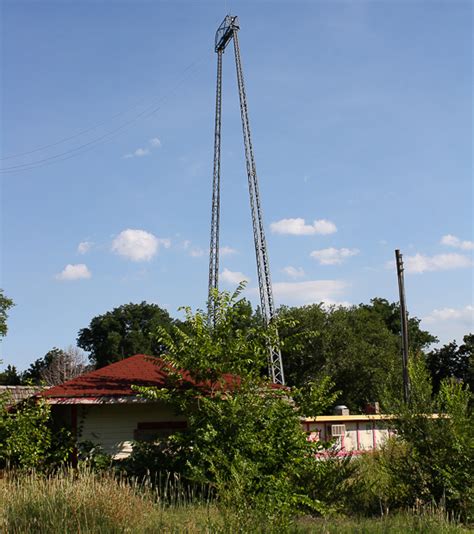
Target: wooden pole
column 404, row 326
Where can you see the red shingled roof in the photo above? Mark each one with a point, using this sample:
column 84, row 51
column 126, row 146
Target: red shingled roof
column 117, row 378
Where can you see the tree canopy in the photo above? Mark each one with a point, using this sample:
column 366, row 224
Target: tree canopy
column 453, row 361
column 5, row 305
column 123, row 332
column 358, row 347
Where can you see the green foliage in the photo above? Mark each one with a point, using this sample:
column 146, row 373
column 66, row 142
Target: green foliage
column 93, row 456
column 83, row 501
column 123, row 332
column 5, row 305
column 451, row 361
column 10, row 377
column 28, row 439
column 231, row 345
column 316, row 397
column 390, row 314
column 352, row 346
column 244, row 437
column 382, row 479
column 438, row 432
column 33, row 375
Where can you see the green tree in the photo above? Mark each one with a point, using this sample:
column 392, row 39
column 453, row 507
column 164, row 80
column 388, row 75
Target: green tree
column 10, row 376
column 123, row 332
column 5, row 305
column 419, row 340
column 28, row 438
column 357, row 347
column 244, row 435
column 438, row 434
column 452, row 361
column 34, row 373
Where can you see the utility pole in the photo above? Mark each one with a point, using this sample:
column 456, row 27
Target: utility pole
column 226, row 32
column 404, row 326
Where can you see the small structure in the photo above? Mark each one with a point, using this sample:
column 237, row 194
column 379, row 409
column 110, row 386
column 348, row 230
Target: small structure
column 17, row 394
column 352, row 434
column 101, row 406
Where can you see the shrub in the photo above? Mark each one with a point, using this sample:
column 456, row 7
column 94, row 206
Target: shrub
column 436, row 463
column 28, row 439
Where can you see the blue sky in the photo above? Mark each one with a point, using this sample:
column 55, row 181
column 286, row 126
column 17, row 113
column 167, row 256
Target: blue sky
column 361, row 116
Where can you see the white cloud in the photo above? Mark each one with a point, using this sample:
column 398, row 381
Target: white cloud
column 299, row 227
column 74, row 272
column 140, row 152
column 233, row 277
column 294, row 272
column 420, row 263
column 196, row 252
column 138, row 245
column 461, row 315
column 227, row 251
column 310, row 291
column 84, row 247
column 453, row 241
column 144, row 151
column 333, row 256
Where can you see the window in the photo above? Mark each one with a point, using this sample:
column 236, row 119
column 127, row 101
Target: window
column 153, row 431
column 338, row 430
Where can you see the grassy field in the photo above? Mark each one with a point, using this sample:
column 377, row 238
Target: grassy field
column 87, row 503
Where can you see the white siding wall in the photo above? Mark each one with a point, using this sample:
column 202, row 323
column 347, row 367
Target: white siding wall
column 112, row 425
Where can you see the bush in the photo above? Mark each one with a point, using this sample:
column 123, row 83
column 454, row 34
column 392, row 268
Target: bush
column 432, row 460
column 28, row 439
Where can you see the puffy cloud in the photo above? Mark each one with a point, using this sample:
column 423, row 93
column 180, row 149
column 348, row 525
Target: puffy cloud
column 138, row 245
column 310, row 291
column 155, row 142
column 299, row 227
column 453, row 241
column 227, row 251
column 196, row 252
column 294, row 272
column 333, row 256
column 84, row 247
column 420, row 263
column 463, row 315
column 144, row 151
column 78, row 271
column 233, row 277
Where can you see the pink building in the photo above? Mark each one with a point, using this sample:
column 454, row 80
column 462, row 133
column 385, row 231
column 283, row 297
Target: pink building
column 353, row 434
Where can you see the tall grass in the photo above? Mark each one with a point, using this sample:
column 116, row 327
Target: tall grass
column 86, row 502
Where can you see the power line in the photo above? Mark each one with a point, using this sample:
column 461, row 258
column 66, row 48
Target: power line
column 147, row 112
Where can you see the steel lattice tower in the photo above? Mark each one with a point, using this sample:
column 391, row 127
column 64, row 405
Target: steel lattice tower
column 227, row 31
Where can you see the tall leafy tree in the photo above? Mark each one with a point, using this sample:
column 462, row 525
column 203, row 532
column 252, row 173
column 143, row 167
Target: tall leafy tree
column 5, row 305
column 452, row 361
column 389, row 312
column 357, row 347
column 243, row 437
column 34, row 373
column 123, row 332
column 10, row 377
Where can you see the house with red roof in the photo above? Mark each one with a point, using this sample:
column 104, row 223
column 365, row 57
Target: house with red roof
column 101, row 407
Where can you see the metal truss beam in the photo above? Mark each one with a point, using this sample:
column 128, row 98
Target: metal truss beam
column 228, row 30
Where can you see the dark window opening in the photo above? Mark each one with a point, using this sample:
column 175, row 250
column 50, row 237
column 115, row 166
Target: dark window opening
column 154, row 431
